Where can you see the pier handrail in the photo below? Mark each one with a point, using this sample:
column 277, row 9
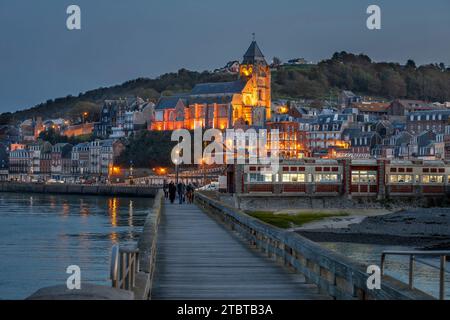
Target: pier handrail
column 133, row 264
column 124, row 266
column 334, row 274
column 442, row 254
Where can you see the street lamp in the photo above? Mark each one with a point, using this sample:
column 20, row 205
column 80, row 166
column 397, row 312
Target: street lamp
column 203, row 163
column 177, row 151
column 131, row 171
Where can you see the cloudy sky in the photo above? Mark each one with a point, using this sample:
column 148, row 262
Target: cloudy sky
column 122, row 40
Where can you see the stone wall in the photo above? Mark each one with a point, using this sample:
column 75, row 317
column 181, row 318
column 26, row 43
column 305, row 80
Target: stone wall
column 269, row 202
column 103, row 190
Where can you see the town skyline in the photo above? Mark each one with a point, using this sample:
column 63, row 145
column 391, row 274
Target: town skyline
column 70, row 69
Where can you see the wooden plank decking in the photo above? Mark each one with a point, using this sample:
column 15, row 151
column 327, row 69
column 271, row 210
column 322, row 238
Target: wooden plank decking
column 199, row 259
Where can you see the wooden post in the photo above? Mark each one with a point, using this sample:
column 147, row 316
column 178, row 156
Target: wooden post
column 442, row 278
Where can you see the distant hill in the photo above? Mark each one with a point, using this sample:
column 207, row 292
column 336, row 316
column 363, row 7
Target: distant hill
column 361, row 75
column 91, row 101
column 343, row 71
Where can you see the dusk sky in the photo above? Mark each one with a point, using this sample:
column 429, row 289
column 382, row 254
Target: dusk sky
column 122, row 40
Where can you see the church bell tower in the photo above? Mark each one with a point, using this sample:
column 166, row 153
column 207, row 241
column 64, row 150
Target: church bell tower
column 256, row 72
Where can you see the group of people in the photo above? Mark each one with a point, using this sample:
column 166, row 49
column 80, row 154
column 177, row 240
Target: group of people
column 184, row 191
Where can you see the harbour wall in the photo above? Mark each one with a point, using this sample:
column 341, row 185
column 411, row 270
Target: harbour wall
column 282, row 201
column 80, row 189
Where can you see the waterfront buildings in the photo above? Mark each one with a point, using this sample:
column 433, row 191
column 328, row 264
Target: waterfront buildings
column 40, row 161
column 80, row 160
column 19, row 165
column 61, row 161
column 402, row 107
column 119, row 118
column 435, row 120
column 368, row 178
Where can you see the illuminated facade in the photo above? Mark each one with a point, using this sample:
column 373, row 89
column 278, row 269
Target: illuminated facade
column 240, row 103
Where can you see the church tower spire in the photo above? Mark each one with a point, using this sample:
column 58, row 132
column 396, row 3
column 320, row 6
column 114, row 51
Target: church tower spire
column 253, row 55
column 256, row 72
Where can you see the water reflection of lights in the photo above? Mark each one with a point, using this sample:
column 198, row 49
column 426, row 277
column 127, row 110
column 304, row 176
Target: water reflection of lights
column 65, row 209
column 84, row 210
column 52, row 202
column 112, row 207
column 114, row 237
column 130, row 214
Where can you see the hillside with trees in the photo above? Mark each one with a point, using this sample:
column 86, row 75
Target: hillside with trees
column 360, row 74
column 91, row 101
column 148, row 149
column 343, row 71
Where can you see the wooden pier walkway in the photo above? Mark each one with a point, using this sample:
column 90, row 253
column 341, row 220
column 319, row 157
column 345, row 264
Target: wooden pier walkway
column 198, row 258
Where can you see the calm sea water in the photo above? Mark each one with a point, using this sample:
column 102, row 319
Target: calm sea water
column 41, row 235
column 426, row 278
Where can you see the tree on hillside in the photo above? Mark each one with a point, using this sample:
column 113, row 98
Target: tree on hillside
column 411, row 64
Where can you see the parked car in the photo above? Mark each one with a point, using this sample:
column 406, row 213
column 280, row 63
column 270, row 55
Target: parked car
column 213, row 186
column 54, row 181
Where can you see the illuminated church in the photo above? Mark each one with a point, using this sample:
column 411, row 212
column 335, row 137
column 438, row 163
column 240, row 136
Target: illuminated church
column 237, row 104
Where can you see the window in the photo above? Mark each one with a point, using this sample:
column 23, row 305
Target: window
column 364, row 177
column 293, row 177
column 400, row 178
column 432, row 178
column 159, row 116
column 325, row 177
column 259, row 177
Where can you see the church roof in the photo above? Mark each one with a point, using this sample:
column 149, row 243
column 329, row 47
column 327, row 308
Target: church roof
column 253, row 54
column 222, row 99
column 168, row 102
column 218, row 88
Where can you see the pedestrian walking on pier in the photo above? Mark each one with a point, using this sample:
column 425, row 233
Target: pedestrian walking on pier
column 166, row 190
column 190, row 193
column 172, row 192
column 180, row 190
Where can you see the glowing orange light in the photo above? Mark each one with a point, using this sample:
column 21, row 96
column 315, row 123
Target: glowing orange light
column 283, row 109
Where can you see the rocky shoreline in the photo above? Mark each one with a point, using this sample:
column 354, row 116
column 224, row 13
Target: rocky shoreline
column 420, row 228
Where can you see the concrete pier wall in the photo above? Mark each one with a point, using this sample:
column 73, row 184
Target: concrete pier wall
column 279, row 202
column 102, row 190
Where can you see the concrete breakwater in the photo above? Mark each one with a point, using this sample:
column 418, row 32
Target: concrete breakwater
column 102, row 190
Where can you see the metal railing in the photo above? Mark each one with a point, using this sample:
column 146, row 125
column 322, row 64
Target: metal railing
column 413, row 258
column 124, row 266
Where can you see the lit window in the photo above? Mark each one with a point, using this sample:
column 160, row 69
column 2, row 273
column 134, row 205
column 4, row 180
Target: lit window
column 400, row 178
column 259, row 177
column 364, row 177
column 293, row 177
column 325, row 177
column 430, row 178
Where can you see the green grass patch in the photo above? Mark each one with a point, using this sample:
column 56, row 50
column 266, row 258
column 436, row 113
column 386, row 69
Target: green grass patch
column 284, row 220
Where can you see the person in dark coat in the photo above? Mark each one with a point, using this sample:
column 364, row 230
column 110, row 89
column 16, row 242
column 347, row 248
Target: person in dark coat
column 166, row 190
column 180, row 191
column 172, row 192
